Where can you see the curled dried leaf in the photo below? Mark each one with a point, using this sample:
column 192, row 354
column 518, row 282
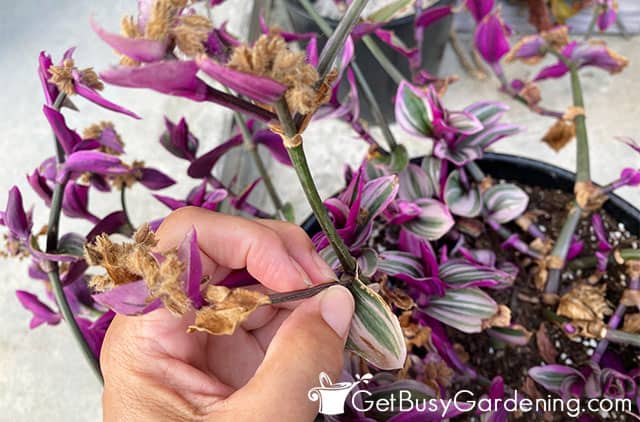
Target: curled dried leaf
column 502, row 318
column 546, row 349
column 588, row 196
column 630, row 297
column 586, row 306
column 396, row 296
column 559, row 135
column 414, row 334
column 632, row 323
column 227, row 309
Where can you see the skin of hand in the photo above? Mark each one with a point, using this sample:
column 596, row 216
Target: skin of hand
column 155, row 371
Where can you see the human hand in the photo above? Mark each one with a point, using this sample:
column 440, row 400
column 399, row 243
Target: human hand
column 154, row 370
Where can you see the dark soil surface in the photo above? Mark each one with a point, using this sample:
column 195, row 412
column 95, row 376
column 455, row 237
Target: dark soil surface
column 513, row 362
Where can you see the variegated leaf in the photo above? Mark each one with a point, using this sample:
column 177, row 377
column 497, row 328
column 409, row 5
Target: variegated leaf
column 377, row 194
column 414, row 184
column 461, row 201
column 459, row 273
column 464, row 309
column 472, row 147
column 432, row 167
column 398, row 262
column 367, row 262
column 555, row 377
column 505, row 202
column 434, row 221
column 516, row 334
column 463, row 122
column 385, row 13
column 413, row 110
column 375, row 332
column 488, row 112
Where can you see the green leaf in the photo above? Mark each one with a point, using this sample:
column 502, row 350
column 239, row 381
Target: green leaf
column 375, row 331
column 386, row 13
column 399, row 159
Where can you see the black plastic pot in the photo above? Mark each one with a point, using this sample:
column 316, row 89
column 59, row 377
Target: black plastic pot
column 435, row 40
column 536, row 173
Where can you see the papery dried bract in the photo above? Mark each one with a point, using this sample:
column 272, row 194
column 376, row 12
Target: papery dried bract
column 227, row 309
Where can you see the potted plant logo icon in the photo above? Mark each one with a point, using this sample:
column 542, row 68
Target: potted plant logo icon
column 332, row 396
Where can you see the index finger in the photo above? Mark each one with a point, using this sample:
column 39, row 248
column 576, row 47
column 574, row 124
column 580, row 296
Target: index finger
column 234, row 243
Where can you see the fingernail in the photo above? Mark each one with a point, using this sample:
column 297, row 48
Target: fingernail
column 336, row 308
column 323, row 267
column 303, row 275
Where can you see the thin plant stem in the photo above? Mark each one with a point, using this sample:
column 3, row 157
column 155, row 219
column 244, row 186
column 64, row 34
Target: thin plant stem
column 588, row 262
column 252, row 148
column 383, row 61
column 621, row 337
column 561, row 248
column 303, row 293
column 360, row 77
column 462, row 56
column 123, row 202
column 299, row 160
column 583, row 171
column 53, row 271
column 337, row 40
column 592, row 22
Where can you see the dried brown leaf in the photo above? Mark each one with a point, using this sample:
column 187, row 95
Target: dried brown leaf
column 559, row 135
column 546, row 349
column 502, row 318
column 227, row 309
column 584, row 303
column 632, row 323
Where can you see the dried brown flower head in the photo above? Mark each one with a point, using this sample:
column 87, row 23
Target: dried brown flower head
column 190, row 33
column 437, row 374
column 586, row 307
column 62, row 77
column 396, row 296
column 228, row 309
column 95, row 131
column 556, row 37
column 271, row 57
column 128, row 179
column 414, row 334
column 129, row 262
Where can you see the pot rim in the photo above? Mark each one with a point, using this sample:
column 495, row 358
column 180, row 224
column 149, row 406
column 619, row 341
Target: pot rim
column 557, row 178
column 391, row 24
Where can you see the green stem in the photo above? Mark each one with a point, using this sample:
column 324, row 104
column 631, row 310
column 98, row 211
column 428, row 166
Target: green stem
column 360, row 77
column 583, row 172
column 561, row 247
column 592, row 22
column 303, row 293
column 588, row 262
column 123, row 202
column 383, row 61
column 252, row 148
column 337, row 39
column 299, row 160
column 621, row 337
column 53, row 271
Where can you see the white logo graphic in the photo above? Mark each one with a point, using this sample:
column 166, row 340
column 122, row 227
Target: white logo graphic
column 332, row 396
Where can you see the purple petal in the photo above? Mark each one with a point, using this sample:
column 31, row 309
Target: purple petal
column 258, row 88
column 128, row 299
column 75, row 202
column 68, row 138
column 178, row 140
column 396, row 44
column 50, row 90
column 630, row 177
column 41, row 312
column 479, row 8
column 552, row 71
column 171, row 203
column 432, row 14
column 15, row 217
column 607, row 18
column 139, row 49
column 116, row 222
column 491, row 38
column 215, row 197
column 93, row 162
column 109, row 138
column 154, row 179
column 630, row 142
column 94, row 332
column 189, row 254
column 93, row 96
column 202, row 166
column 240, row 200
column 274, row 144
column 600, row 232
column 575, row 248
column 173, row 77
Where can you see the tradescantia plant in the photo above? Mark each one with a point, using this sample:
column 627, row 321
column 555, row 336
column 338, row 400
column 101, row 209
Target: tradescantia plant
column 405, row 236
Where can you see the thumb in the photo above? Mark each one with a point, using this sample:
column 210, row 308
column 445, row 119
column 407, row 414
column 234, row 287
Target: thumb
column 311, row 340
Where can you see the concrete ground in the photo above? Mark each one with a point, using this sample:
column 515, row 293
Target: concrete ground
column 42, row 374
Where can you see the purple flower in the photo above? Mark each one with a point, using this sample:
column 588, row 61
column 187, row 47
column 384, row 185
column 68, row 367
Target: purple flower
column 189, row 254
column 44, row 63
column 91, row 161
column 178, row 140
column 178, row 77
column 69, row 139
column 15, row 218
column 198, row 197
column 94, row 332
column 153, row 179
column 75, row 202
column 41, row 312
column 128, row 299
column 594, row 54
column 479, row 8
column 491, row 38
column 139, row 49
column 604, row 247
column 608, row 13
